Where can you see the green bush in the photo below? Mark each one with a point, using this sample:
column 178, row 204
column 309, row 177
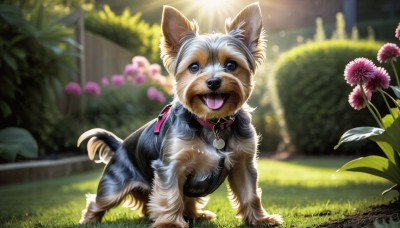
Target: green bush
column 126, row 30
column 123, row 109
column 314, row 94
column 121, row 104
column 263, row 118
column 119, row 109
column 34, row 63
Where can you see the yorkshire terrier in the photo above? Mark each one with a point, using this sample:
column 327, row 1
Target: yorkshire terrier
column 167, row 168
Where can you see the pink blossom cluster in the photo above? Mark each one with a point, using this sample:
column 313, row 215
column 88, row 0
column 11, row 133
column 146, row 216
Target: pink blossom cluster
column 90, row 88
column 141, row 71
column 73, row 89
column 155, row 95
column 138, row 72
column 368, row 78
column 363, row 72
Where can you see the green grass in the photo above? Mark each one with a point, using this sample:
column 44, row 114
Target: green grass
column 306, row 192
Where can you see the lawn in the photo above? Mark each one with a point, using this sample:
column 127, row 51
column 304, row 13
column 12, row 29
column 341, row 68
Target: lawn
column 306, row 192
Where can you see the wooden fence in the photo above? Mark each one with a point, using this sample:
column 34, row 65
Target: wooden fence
column 103, row 58
column 100, row 57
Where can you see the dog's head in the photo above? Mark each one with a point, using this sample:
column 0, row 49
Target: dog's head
column 213, row 72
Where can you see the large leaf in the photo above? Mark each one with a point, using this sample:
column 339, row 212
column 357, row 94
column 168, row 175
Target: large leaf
column 388, row 119
column 358, row 133
column 16, row 142
column 389, row 152
column 396, row 91
column 374, row 165
column 391, row 136
column 394, row 187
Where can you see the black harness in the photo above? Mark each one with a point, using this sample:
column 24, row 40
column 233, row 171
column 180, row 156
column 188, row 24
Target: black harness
column 217, row 177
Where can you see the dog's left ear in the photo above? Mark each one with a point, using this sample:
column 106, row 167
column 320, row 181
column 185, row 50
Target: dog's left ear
column 175, row 26
column 247, row 26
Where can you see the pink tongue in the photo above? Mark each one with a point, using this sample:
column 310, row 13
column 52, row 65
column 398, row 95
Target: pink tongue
column 214, row 101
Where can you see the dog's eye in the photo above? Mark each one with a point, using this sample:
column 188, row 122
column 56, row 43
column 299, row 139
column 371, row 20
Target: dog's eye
column 194, row 68
column 230, row 66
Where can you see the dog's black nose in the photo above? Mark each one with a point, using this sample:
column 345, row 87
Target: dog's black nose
column 213, row 83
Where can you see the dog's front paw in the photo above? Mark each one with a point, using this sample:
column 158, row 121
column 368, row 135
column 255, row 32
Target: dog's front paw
column 206, row 215
column 170, row 225
column 273, row 220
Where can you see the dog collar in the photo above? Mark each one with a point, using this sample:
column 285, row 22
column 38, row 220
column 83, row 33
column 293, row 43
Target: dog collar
column 221, row 124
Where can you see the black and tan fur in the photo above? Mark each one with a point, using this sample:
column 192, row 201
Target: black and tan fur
column 151, row 173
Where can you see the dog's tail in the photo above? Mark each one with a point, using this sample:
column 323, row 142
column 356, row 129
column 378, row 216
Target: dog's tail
column 101, row 142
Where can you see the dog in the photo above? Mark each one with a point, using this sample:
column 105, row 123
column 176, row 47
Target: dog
column 166, row 169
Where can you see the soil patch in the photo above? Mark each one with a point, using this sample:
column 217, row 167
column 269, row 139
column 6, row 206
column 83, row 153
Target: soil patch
column 379, row 213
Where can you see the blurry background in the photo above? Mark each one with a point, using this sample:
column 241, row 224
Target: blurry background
column 66, row 66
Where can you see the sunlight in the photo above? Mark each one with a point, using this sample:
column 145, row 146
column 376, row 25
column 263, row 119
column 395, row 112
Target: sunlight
column 211, row 5
column 211, row 14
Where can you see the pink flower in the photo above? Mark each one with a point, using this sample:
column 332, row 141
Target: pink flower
column 360, row 70
column 92, row 88
column 155, row 69
column 139, row 79
column 388, row 52
column 155, row 95
column 381, row 80
column 117, row 80
column 356, row 99
column 397, row 33
column 104, row 81
column 73, row 89
column 140, row 61
column 130, row 69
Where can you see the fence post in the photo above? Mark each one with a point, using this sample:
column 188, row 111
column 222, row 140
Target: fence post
column 77, row 20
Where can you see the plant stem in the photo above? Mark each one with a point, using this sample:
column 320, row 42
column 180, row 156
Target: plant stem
column 376, row 110
column 394, row 100
column 387, row 103
column 395, row 72
column 378, row 120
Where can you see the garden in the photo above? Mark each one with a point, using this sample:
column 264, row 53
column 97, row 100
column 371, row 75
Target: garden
column 327, row 108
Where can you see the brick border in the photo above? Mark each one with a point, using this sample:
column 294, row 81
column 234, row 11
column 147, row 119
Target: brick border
column 40, row 170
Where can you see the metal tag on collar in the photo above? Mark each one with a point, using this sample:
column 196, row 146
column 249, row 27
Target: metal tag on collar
column 218, row 142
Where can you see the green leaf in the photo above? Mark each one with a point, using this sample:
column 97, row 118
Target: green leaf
column 394, row 187
column 358, row 133
column 391, row 136
column 374, row 165
column 17, row 142
column 388, row 120
column 396, row 91
column 389, row 152
column 10, row 61
column 5, row 109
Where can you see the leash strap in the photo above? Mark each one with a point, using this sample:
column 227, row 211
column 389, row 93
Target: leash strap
column 161, row 118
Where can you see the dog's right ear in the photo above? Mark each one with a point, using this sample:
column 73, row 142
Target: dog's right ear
column 175, row 26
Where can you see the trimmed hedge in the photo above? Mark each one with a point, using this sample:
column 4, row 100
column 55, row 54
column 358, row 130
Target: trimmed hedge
column 128, row 31
column 314, row 95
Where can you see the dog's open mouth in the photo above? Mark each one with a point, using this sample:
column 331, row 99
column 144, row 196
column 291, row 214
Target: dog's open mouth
column 214, row 101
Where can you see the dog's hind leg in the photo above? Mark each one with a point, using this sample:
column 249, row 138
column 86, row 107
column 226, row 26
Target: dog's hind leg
column 119, row 179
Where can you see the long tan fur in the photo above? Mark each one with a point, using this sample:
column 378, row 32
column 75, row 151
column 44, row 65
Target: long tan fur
column 96, row 145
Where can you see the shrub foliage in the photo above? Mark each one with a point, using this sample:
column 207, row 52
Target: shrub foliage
column 127, row 30
column 34, row 63
column 314, row 96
